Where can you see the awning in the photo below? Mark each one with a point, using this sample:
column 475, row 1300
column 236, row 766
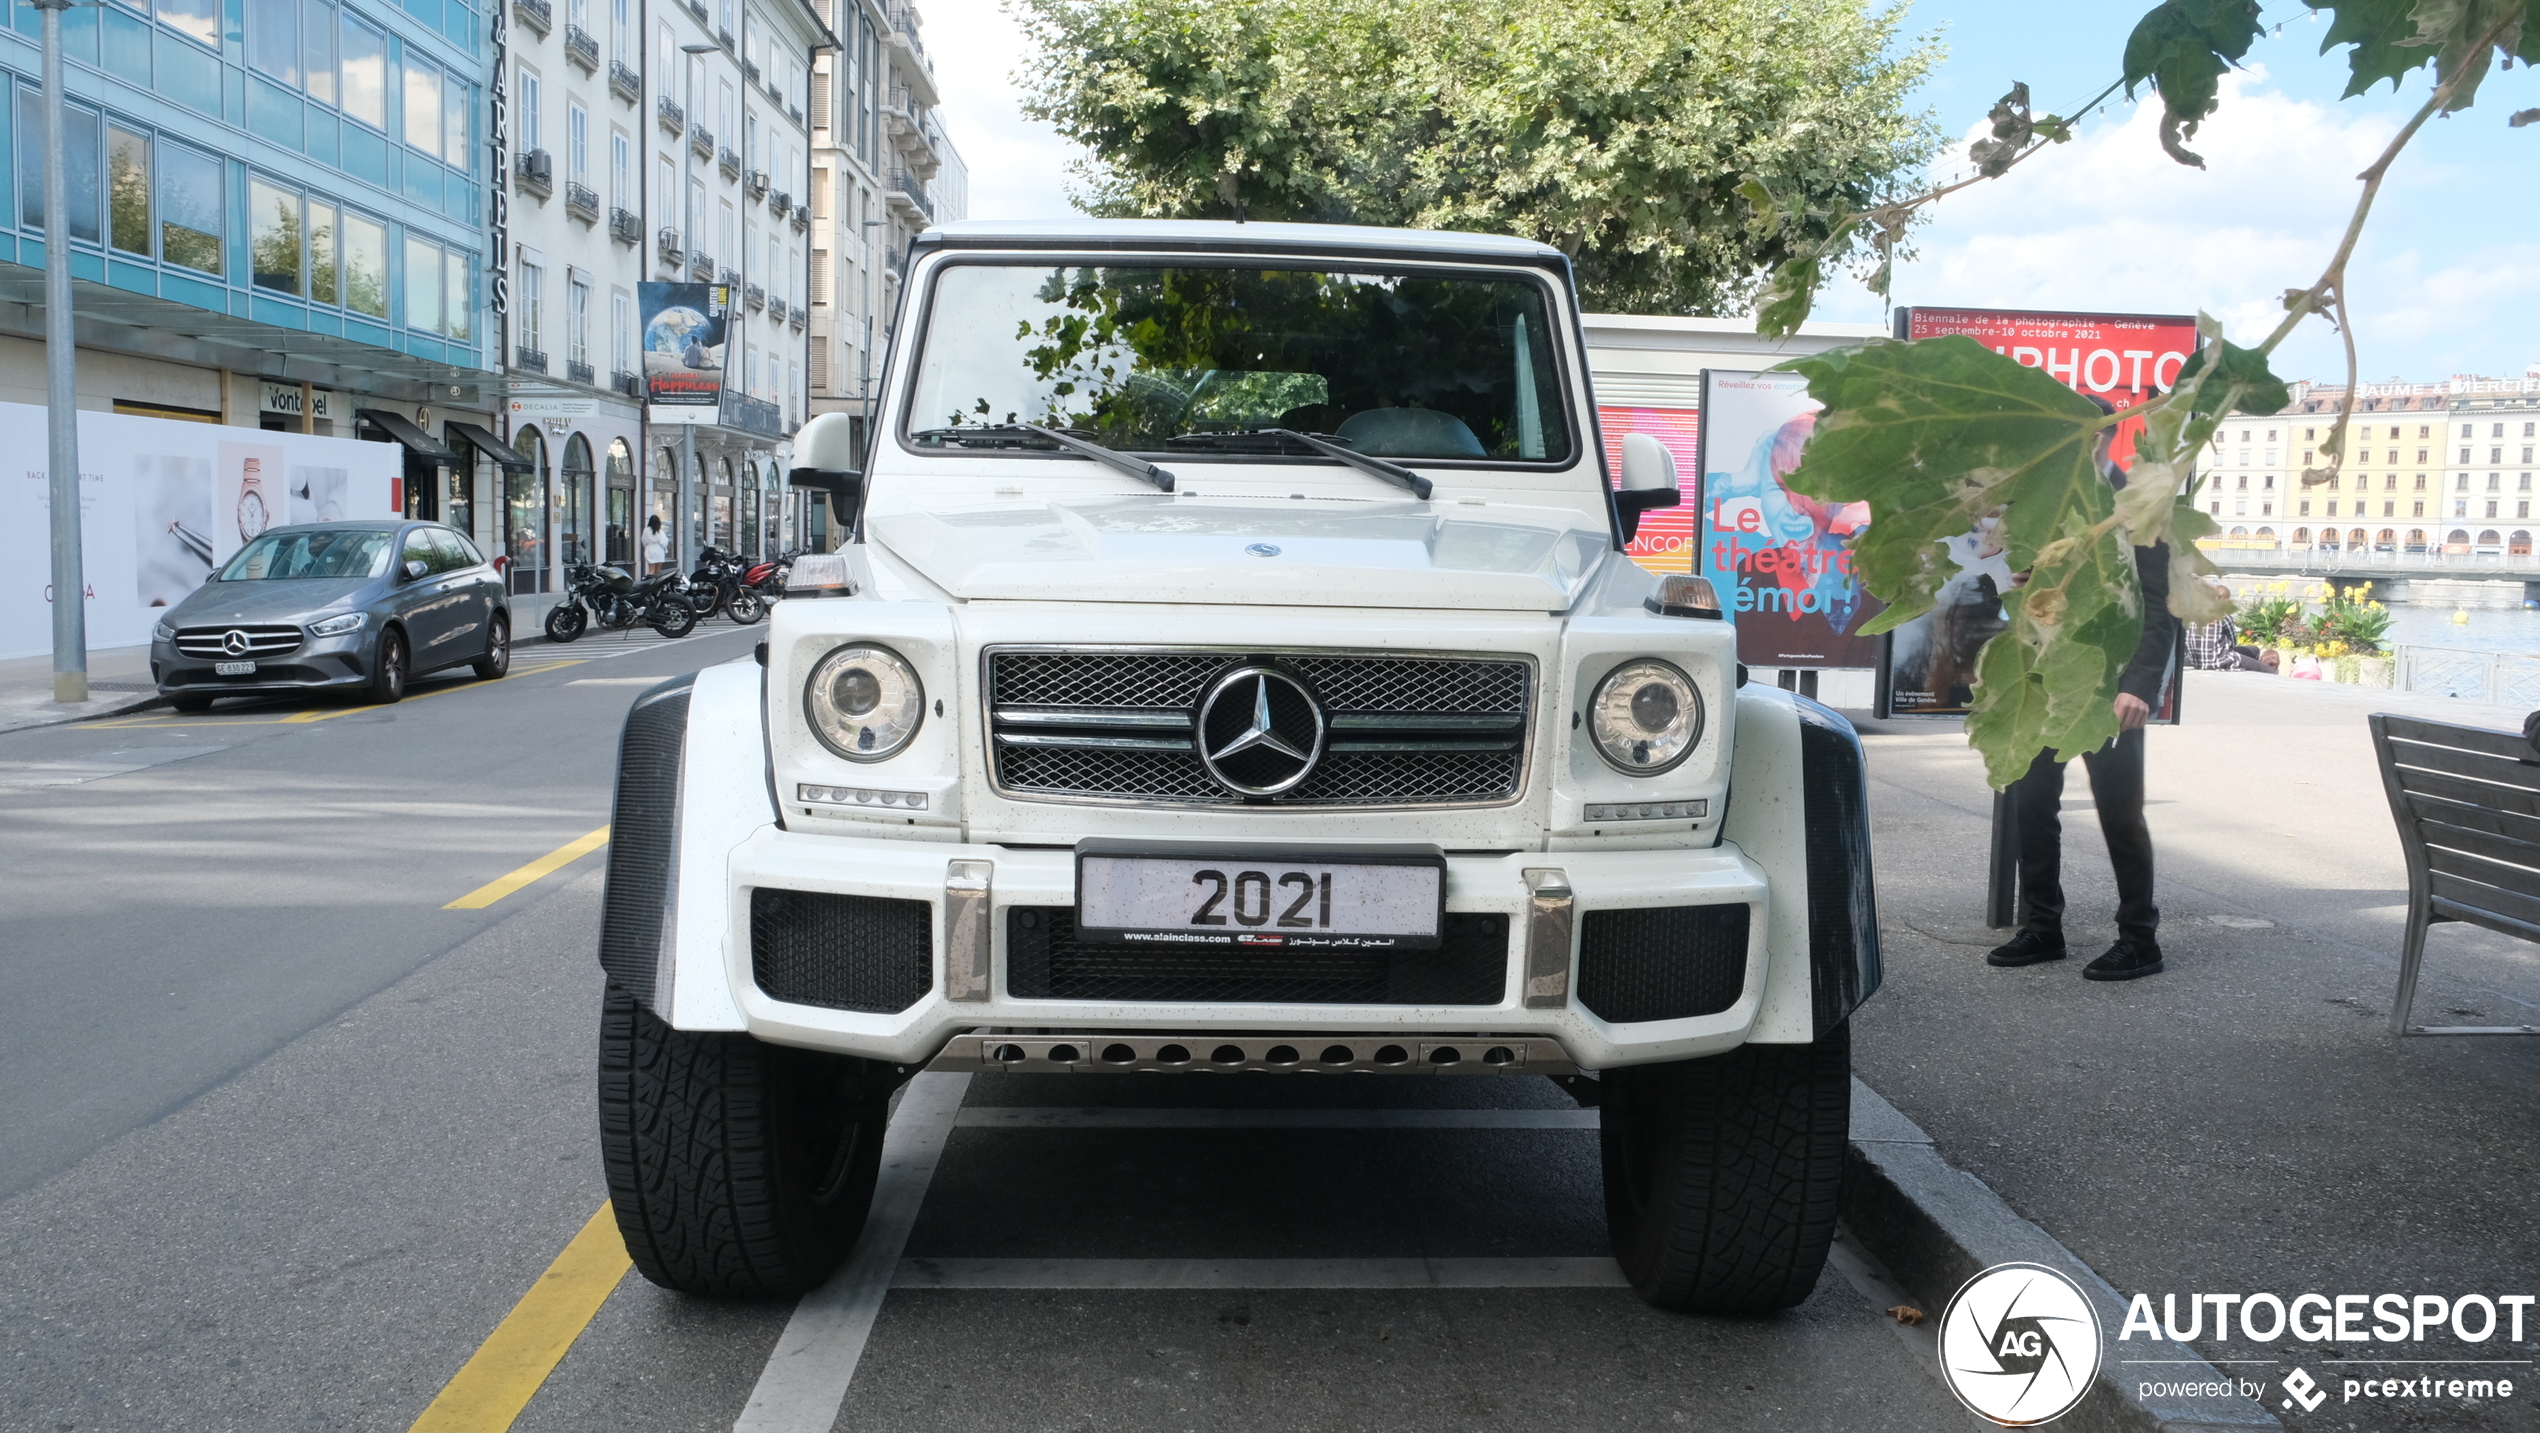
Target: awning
column 491, row 446
column 417, row 441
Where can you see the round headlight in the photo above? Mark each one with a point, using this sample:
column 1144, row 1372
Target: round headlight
column 1645, row 717
column 864, row 703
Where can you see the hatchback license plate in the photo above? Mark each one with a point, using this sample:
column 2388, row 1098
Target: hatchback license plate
column 1258, row 897
column 234, row 669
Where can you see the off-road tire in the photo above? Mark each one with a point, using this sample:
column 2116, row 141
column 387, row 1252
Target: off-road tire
column 390, row 669
column 191, row 702
column 736, row 1168
column 566, row 621
column 674, row 618
column 498, row 649
column 1722, row 1175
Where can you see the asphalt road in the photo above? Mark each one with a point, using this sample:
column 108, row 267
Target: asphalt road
column 287, row 1140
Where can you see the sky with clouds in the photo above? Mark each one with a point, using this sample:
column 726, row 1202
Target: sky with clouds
column 2446, row 280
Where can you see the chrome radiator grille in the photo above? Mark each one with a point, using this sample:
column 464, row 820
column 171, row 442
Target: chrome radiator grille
column 254, row 640
column 1084, row 725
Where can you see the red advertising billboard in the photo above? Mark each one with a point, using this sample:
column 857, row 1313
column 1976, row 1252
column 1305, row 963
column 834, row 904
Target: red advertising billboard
column 1666, row 540
column 2127, row 359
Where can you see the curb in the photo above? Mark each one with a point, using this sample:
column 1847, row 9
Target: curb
column 1936, row 1226
column 136, row 702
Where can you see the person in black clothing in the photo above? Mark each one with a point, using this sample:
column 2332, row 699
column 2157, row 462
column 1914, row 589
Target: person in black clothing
column 2116, row 788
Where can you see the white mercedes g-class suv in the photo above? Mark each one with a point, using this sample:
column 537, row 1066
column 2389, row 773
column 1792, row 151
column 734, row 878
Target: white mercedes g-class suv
column 1232, row 664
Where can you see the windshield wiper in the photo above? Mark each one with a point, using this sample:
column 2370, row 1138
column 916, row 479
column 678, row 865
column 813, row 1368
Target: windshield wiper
column 1144, row 472
column 1390, row 472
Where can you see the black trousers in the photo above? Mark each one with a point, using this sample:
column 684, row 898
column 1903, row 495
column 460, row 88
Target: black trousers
column 2116, row 786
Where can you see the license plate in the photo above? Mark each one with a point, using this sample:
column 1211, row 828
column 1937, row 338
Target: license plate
column 234, row 669
column 1255, row 896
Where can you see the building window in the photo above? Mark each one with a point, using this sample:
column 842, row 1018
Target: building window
column 577, row 140
column 532, row 283
column 128, row 190
column 2417, row 508
column 530, row 134
column 365, row 265
column 2332, row 507
column 365, row 73
column 2461, row 483
column 2244, row 482
column 190, row 208
column 2420, row 482
column 2495, row 481
column 423, row 285
column 578, row 314
column 621, row 170
column 80, row 166
column 322, row 282
column 621, row 334
column 2497, row 432
column 2306, row 508
column 197, row 20
column 274, row 236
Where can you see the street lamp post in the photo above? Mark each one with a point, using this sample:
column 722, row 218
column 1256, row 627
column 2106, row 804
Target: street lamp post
column 61, row 387
column 691, row 511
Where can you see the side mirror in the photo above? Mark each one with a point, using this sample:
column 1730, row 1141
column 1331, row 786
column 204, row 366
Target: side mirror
column 416, row 568
column 1649, row 481
column 845, row 488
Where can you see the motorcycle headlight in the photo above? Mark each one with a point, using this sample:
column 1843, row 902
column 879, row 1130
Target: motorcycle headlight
column 338, row 626
column 1645, row 718
column 864, row 702
column 164, row 632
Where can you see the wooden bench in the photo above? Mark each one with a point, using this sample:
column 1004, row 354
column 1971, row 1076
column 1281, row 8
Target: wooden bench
column 2467, row 803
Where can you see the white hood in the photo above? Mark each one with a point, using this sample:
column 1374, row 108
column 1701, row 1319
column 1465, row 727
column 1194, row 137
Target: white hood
column 1411, row 555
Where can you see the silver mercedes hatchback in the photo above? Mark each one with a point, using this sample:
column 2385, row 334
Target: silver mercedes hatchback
column 362, row 606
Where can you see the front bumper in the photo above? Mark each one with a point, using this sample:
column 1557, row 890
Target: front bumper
column 318, row 664
column 971, row 889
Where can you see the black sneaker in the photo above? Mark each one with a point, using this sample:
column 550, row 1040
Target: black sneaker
column 2027, row 948
column 2128, row 959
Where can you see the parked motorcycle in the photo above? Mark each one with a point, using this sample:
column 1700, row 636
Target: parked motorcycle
column 761, row 585
column 711, row 585
column 616, row 599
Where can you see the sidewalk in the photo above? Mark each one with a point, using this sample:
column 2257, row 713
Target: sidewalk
column 2244, row 1122
column 118, row 681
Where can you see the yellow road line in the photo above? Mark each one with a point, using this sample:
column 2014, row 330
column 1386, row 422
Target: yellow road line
column 491, row 1389
column 316, row 714
column 546, row 865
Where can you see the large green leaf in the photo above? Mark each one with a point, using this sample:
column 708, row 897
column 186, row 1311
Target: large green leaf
column 1941, row 436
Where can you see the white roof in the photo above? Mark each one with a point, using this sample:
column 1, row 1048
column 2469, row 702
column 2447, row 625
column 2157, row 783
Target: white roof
column 1226, row 232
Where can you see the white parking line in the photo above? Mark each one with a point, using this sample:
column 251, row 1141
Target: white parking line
column 806, row 1377
column 1540, row 1273
column 995, row 1117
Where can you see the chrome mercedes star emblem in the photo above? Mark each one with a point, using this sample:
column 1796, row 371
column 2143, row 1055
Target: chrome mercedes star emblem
column 234, row 642
column 1260, row 731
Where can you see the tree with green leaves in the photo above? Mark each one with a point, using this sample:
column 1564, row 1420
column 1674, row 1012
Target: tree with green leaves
column 1937, row 434
column 1620, row 131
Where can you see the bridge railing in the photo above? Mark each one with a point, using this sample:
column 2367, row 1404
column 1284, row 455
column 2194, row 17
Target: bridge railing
column 2510, row 679
column 2353, row 559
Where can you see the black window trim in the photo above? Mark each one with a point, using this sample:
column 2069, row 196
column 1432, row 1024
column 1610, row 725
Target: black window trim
column 1583, row 449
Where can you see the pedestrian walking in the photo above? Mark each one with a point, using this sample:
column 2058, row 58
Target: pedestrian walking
column 2116, row 788
column 656, row 546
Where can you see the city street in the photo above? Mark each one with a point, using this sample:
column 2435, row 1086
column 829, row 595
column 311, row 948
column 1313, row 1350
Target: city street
column 290, row 1139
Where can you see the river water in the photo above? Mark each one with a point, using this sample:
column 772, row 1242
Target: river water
column 2489, row 629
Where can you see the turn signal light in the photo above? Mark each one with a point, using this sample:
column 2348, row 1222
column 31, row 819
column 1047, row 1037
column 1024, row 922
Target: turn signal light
column 1682, row 596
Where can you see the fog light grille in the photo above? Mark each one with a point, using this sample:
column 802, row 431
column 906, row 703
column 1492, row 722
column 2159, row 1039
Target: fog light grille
column 1662, row 963
column 862, row 953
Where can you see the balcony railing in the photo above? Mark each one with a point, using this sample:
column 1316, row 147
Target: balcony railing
column 794, row 112
column 576, row 371
column 802, row 218
column 723, row 37
column 797, row 316
column 529, row 358
column 624, row 82
column 914, row 189
column 756, row 415
column 780, row 203
column 667, row 110
column 698, row 9
column 535, row 173
column 671, row 252
column 582, row 201
column 624, row 382
column 757, row 182
column 728, row 162
column 757, row 297
column 580, row 48
column 728, row 279
column 701, row 139
column 626, row 226
column 701, row 266
column 536, row 14
column 750, row 68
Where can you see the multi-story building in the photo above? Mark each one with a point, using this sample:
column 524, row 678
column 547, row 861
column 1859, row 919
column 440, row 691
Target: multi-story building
column 277, row 221
column 725, row 307
column 572, row 138
column 882, row 170
column 2387, row 489
column 2490, row 440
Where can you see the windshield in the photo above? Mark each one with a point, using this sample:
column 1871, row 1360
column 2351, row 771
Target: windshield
column 1204, row 359
column 341, row 552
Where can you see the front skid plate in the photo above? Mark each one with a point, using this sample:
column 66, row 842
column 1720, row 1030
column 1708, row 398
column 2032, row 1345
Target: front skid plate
column 1065, row 1052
